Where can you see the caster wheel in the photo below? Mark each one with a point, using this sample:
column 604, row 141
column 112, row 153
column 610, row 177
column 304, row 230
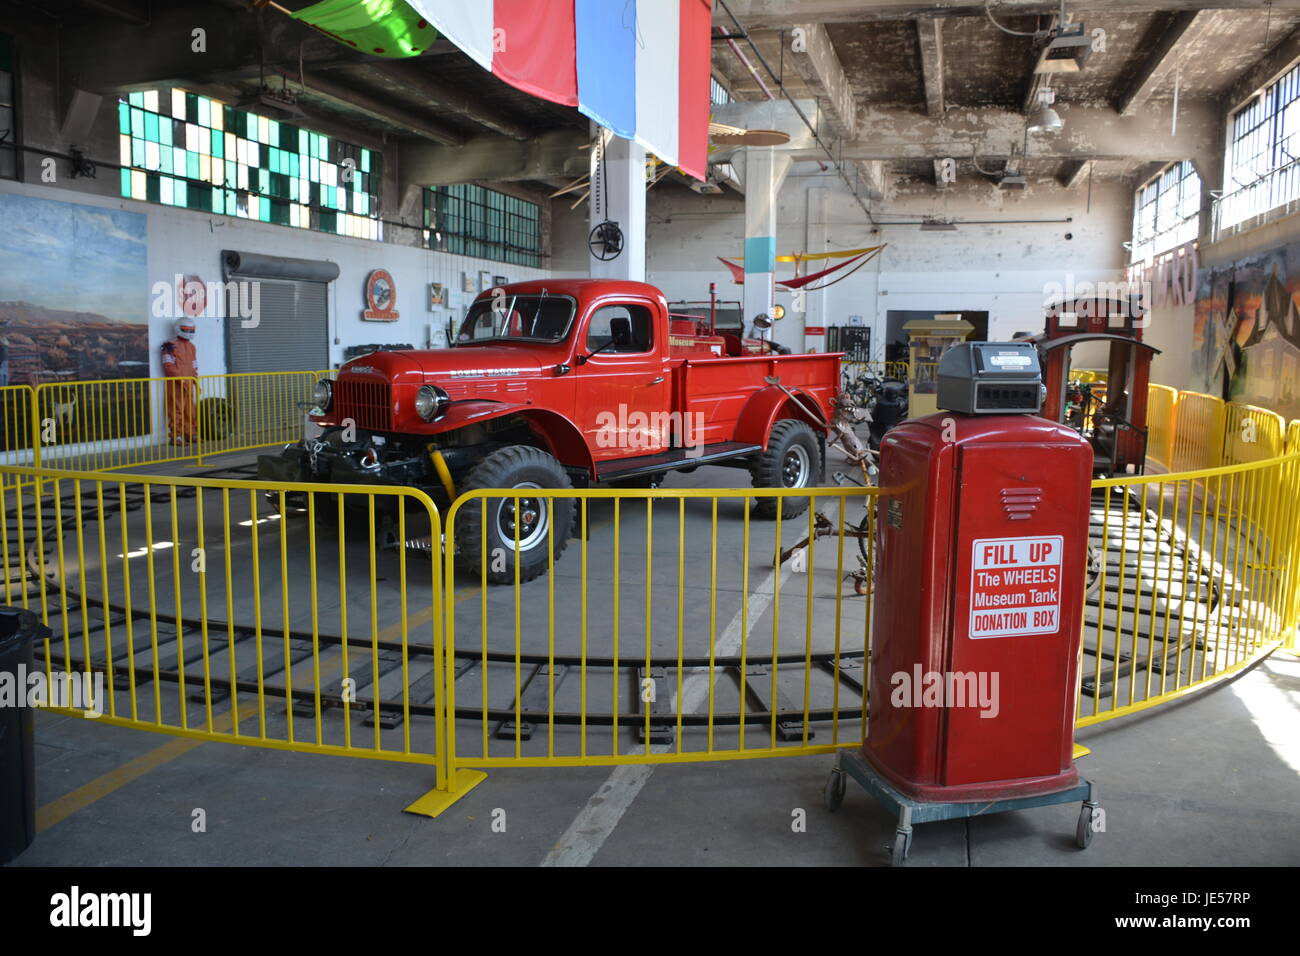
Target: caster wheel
column 1083, row 832
column 833, row 794
column 902, row 846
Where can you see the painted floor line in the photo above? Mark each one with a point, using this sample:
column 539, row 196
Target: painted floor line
column 597, row 820
column 61, row 808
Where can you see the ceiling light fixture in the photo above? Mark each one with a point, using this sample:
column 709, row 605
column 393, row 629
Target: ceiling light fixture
column 1045, row 119
column 932, row 224
column 1068, row 51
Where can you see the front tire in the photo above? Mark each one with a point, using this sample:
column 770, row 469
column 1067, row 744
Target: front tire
column 792, row 460
column 540, row 523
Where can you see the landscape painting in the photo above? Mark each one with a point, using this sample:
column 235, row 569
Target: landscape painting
column 74, row 307
column 74, row 292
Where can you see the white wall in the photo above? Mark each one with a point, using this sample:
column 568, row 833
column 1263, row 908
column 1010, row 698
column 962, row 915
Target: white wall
column 1002, row 269
column 188, row 242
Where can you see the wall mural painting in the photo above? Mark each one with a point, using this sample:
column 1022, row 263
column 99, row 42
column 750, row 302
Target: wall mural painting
column 74, row 306
column 1247, row 331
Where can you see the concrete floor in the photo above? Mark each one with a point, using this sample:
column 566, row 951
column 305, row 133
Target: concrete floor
column 1211, row 780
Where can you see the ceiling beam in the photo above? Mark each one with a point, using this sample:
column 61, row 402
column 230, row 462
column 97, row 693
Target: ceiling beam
column 820, row 67
column 778, row 13
column 1073, row 172
column 929, row 33
column 898, row 133
column 871, row 179
column 1164, row 59
column 1275, row 62
column 119, row 57
column 417, row 80
column 128, row 11
column 495, row 159
column 349, row 98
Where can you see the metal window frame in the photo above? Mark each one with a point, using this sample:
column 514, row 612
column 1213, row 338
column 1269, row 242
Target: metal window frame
column 1178, row 180
column 472, row 220
column 263, row 184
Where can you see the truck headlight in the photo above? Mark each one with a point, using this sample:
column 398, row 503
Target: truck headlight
column 324, row 394
column 431, row 402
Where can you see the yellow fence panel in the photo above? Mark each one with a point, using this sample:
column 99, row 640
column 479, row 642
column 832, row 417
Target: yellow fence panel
column 1161, row 402
column 282, row 616
column 1251, row 434
column 1198, row 433
column 253, row 410
column 635, row 659
column 1185, row 590
column 17, row 428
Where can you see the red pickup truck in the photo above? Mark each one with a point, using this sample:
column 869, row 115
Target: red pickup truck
column 561, row 383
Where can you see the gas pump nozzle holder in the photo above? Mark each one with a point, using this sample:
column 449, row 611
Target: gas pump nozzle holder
column 982, row 544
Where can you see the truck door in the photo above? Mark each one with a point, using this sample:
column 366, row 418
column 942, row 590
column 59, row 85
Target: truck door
column 623, row 390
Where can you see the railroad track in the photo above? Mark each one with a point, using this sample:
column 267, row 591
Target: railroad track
column 1158, row 595
column 395, row 679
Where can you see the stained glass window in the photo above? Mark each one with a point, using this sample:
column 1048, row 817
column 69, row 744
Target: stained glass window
column 183, row 149
column 475, row 221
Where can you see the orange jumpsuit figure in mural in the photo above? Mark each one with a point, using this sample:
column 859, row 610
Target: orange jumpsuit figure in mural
column 180, row 361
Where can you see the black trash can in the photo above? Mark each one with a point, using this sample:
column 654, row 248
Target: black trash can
column 19, row 630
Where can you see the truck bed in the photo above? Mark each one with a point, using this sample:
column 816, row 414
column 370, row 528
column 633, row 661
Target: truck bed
column 719, row 388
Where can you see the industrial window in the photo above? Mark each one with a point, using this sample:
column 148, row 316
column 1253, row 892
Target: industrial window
column 1264, row 146
column 8, row 111
column 1167, row 211
column 718, row 94
column 182, row 149
column 474, row 221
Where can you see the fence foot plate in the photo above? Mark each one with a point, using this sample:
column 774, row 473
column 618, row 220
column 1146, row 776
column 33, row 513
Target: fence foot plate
column 435, row 801
column 1081, row 751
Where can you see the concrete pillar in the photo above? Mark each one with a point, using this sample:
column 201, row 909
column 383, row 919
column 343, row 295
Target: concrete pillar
column 765, row 170
column 816, row 232
column 618, row 194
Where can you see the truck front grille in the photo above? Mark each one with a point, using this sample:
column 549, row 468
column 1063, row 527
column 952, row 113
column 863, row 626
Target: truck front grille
column 369, row 404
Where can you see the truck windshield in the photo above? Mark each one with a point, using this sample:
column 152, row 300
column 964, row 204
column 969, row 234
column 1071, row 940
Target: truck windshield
column 535, row 318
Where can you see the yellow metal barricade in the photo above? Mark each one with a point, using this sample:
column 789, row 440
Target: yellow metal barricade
column 1198, row 433
column 17, row 429
column 1251, row 433
column 253, row 410
column 639, row 660
column 1293, row 437
column 305, row 617
column 116, row 423
column 268, row 614
column 1187, row 589
column 1161, row 402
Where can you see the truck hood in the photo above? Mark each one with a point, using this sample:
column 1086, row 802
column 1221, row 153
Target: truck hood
column 463, row 373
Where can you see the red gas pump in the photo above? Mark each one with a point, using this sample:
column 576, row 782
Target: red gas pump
column 982, row 541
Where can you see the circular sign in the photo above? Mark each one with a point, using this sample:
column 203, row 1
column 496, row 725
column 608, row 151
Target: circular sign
column 381, row 297
column 191, row 296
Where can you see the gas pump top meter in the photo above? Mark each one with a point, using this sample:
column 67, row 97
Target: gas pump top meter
column 991, row 378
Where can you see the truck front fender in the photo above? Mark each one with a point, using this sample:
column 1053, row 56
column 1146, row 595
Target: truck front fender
column 559, row 436
column 769, row 405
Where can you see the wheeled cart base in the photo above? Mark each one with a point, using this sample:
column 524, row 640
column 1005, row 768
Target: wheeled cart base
column 910, row 812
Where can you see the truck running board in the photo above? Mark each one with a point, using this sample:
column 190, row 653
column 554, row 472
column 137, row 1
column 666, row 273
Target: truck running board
column 674, row 458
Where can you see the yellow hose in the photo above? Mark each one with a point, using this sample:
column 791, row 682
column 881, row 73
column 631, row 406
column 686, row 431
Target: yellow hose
column 444, row 473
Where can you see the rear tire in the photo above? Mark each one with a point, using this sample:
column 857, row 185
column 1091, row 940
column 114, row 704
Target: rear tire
column 540, row 520
column 792, row 460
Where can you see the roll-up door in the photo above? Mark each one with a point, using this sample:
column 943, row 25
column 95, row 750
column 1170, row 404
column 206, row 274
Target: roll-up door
column 292, row 328
column 292, row 332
